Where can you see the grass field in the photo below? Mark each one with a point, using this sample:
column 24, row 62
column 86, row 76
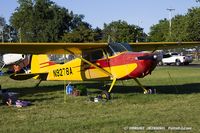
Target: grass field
column 176, row 104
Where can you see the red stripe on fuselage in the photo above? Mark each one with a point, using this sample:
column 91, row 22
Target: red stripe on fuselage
column 121, row 59
column 144, row 67
column 46, row 64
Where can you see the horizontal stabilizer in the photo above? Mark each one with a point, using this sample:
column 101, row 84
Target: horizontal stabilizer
column 24, row 76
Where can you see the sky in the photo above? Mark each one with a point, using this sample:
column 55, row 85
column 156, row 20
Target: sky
column 143, row 13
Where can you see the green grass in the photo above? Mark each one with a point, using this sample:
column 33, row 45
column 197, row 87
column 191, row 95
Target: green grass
column 175, row 105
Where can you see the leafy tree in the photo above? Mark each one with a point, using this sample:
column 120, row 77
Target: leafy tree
column 2, row 27
column 121, row 31
column 10, row 34
column 2, row 21
column 44, row 21
column 7, row 32
column 184, row 28
column 82, row 31
column 41, row 20
column 97, row 35
column 179, row 32
column 193, row 24
column 159, row 32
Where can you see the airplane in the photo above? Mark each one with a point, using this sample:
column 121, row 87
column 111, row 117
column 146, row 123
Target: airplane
column 91, row 61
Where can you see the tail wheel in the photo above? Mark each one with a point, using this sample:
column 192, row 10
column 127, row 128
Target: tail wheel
column 150, row 90
column 105, row 95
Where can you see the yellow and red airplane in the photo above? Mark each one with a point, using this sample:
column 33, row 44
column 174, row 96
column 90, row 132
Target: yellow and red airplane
column 91, row 61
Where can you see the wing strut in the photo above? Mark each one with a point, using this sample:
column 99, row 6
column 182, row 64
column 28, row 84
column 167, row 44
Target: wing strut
column 104, row 94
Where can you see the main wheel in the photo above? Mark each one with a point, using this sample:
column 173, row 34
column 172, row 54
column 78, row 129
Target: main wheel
column 105, row 95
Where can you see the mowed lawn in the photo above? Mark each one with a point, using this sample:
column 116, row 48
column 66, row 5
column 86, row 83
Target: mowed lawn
column 176, row 104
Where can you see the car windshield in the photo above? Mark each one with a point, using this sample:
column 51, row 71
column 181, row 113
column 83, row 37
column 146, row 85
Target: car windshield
column 174, row 54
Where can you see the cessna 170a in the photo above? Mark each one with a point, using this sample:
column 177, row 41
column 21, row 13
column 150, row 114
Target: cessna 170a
column 91, row 61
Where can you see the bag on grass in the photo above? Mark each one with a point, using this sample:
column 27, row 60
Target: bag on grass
column 20, row 103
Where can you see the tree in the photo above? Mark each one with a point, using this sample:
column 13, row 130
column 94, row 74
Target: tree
column 179, row 28
column 193, row 24
column 41, row 21
column 184, row 28
column 159, row 32
column 83, row 32
column 121, row 31
column 2, row 23
column 7, row 32
column 2, row 27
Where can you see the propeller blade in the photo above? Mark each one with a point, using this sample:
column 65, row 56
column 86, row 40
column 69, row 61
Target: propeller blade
column 148, row 57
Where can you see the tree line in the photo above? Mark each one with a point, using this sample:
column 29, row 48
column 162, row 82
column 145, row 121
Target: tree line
column 45, row 21
column 183, row 28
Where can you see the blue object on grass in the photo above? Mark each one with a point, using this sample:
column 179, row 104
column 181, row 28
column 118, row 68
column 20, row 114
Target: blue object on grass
column 1, row 73
column 69, row 89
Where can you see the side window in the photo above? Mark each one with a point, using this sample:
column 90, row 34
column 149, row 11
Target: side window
column 86, row 55
column 97, row 54
column 166, row 56
column 93, row 55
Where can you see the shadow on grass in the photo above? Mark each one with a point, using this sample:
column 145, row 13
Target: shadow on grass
column 40, row 93
column 167, row 89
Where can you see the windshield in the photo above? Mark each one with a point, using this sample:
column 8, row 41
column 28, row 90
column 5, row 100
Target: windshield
column 174, row 54
column 119, row 47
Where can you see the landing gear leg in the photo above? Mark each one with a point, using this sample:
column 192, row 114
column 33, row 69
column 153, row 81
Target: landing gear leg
column 147, row 90
column 106, row 94
column 37, row 85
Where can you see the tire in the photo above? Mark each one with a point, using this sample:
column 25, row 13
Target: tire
column 105, row 95
column 178, row 62
column 151, row 90
column 160, row 63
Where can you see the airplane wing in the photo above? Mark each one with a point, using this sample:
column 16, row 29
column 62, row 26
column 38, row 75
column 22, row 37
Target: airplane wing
column 65, row 48
column 150, row 46
column 47, row 48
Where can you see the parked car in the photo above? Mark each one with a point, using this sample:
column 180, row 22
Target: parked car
column 175, row 59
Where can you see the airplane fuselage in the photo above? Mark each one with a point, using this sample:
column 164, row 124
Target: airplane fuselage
column 121, row 65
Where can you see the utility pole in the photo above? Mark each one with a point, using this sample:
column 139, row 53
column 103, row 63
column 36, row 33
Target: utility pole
column 170, row 20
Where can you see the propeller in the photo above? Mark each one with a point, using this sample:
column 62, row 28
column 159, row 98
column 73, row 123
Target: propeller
column 148, row 57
